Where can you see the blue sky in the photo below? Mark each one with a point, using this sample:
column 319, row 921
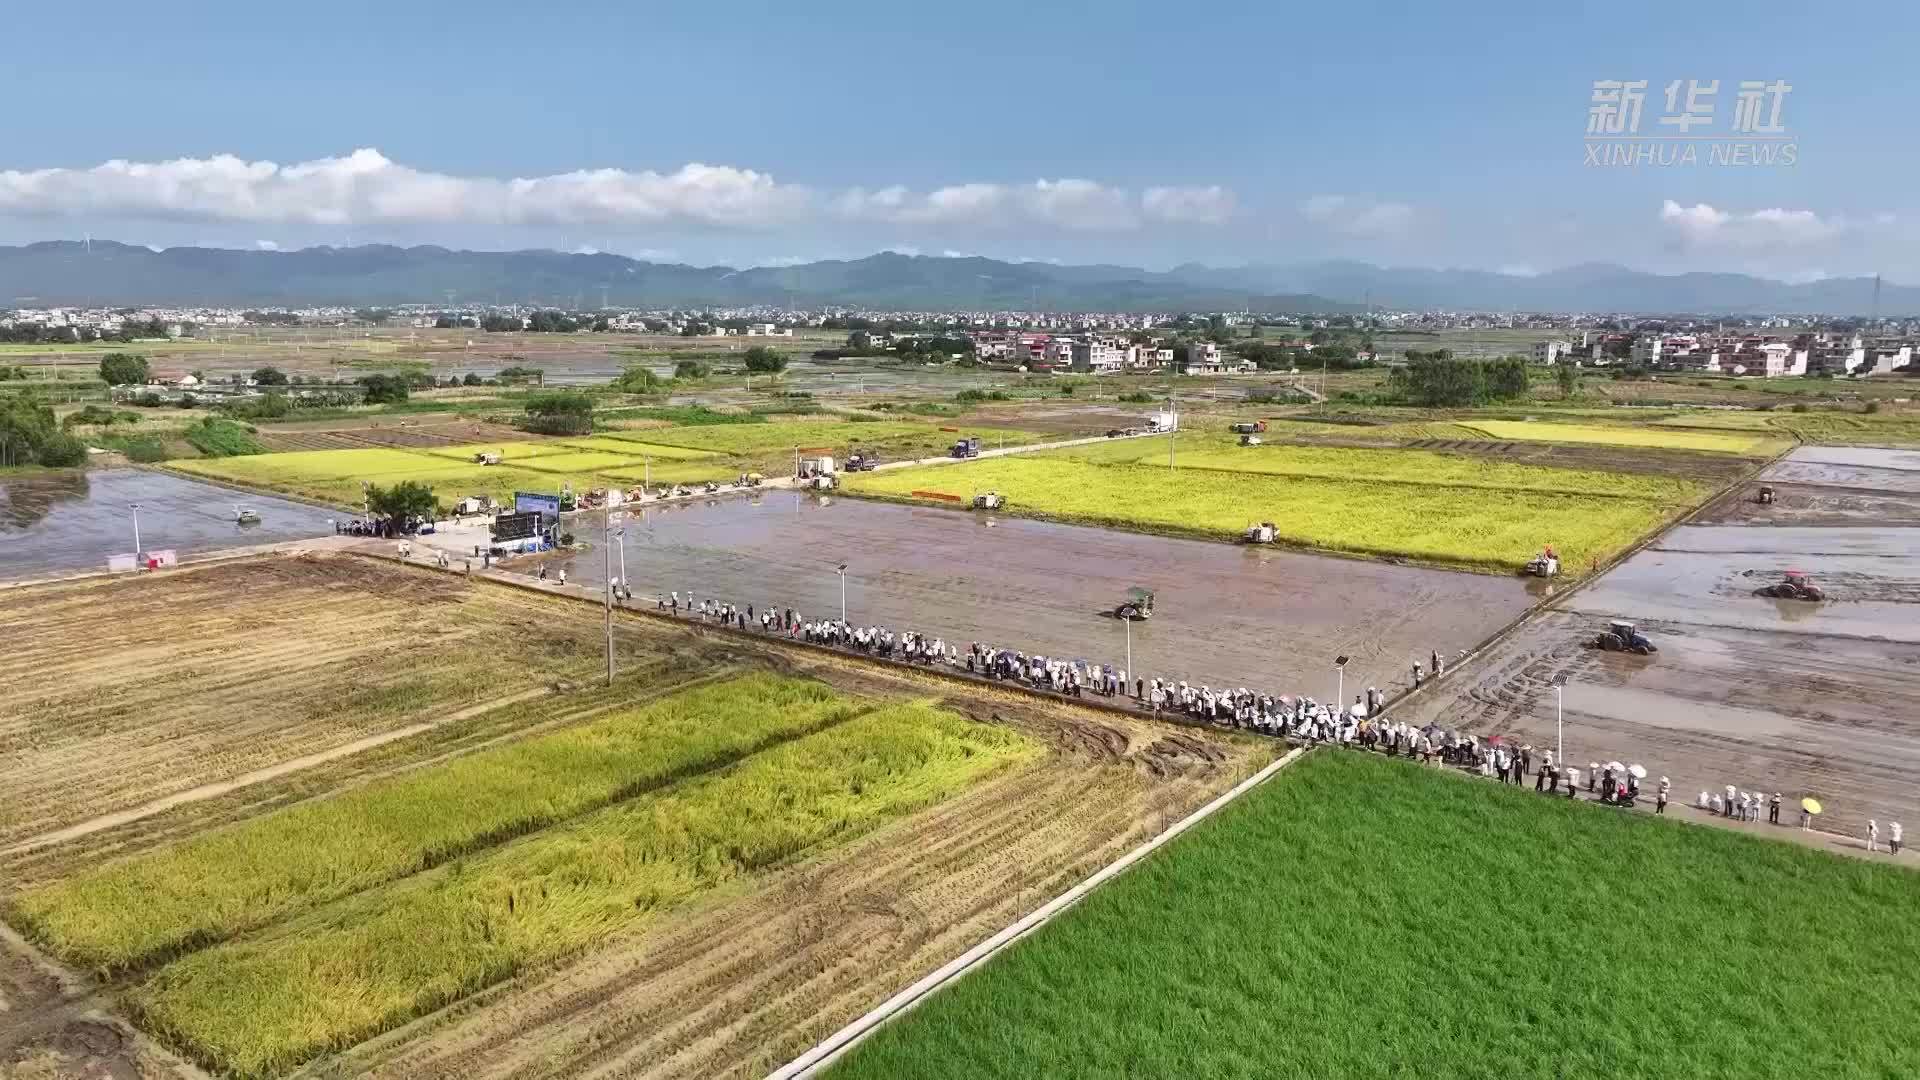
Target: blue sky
column 1146, row 134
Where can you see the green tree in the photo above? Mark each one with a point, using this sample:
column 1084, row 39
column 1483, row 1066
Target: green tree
column 123, row 369
column 402, row 503
column 383, row 389
column 1567, row 376
column 471, row 379
column 764, row 361
column 562, row 412
column 638, row 379
column 691, row 369
column 269, row 376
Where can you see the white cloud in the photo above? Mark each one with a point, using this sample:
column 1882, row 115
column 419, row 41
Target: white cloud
column 1209, row 205
column 366, row 188
column 1704, row 226
column 1357, row 216
column 266, row 245
column 1083, row 205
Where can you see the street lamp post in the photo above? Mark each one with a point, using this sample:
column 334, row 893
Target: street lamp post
column 1129, row 622
column 136, row 529
column 1560, row 718
column 606, row 586
column 842, row 571
column 1340, row 686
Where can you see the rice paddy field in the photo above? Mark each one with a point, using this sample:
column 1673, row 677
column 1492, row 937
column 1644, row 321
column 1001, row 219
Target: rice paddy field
column 1729, row 442
column 374, row 961
column 1457, row 512
column 343, row 796
column 1359, row 916
column 671, row 455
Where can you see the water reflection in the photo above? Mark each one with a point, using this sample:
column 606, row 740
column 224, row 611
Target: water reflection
column 25, row 500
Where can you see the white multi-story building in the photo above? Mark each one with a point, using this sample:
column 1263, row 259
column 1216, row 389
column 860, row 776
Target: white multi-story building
column 1550, row 352
column 1097, row 353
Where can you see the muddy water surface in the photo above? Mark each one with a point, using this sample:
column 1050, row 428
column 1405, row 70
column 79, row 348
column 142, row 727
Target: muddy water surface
column 1225, row 614
column 76, row 520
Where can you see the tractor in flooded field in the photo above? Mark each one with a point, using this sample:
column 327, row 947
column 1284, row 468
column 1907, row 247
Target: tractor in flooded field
column 1622, row 636
column 1137, row 605
column 1795, row 586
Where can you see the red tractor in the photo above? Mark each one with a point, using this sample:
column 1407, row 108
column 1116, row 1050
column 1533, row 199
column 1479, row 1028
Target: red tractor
column 1796, row 586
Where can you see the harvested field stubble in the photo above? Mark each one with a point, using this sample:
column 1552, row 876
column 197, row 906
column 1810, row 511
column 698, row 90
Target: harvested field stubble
column 131, row 913
column 121, row 691
column 1462, row 937
column 374, row 961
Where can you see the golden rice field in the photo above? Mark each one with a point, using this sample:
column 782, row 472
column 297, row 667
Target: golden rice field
column 317, row 926
column 747, row 438
column 1423, row 467
column 682, row 455
column 1659, row 438
column 1489, row 529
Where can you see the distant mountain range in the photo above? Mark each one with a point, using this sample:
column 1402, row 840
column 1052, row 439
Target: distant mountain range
column 113, row 274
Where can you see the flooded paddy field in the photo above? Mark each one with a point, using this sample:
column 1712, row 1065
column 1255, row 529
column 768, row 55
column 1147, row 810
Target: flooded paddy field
column 1800, row 697
column 75, row 520
column 1224, row 614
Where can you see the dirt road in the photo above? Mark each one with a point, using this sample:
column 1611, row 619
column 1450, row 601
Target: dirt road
column 1225, row 615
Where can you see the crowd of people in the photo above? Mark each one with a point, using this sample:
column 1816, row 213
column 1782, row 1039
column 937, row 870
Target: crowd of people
column 1298, row 718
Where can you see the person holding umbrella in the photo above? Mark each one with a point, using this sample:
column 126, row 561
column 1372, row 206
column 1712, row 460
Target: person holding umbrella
column 1808, row 808
column 1773, row 809
column 1873, row 834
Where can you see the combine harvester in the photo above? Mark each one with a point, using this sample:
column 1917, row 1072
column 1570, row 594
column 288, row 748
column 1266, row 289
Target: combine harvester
column 1796, row 586
column 989, row 500
column 1545, row 564
column 1262, row 533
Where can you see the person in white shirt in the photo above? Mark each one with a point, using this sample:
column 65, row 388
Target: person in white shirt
column 1730, row 794
column 1873, row 834
column 1893, row 838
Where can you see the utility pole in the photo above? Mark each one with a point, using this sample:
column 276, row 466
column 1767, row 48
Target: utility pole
column 136, row 529
column 606, row 592
column 842, row 571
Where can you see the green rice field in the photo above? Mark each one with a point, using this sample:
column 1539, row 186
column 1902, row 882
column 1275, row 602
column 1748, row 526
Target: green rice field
column 1360, row 916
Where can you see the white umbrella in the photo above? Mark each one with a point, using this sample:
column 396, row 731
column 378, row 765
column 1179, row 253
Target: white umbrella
column 1615, row 766
column 1637, row 772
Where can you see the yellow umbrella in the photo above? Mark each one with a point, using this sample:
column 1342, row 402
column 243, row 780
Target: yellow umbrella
column 1811, row 806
